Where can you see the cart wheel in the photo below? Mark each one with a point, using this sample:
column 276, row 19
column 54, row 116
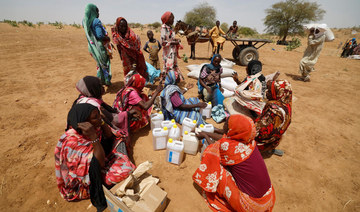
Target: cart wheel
column 248, row 54
column 236, row 51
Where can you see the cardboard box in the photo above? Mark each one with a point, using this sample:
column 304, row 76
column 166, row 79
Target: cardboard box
column 152, row 199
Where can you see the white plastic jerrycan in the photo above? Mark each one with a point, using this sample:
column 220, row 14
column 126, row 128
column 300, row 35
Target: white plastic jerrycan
column 174, row 132
column 160, row 136
column 188, row 125
column 168, row 123
column 174, row 151
column 204, row 145
column 156, row 119
column 191, row 143
column 206, row 111
column 206, row 128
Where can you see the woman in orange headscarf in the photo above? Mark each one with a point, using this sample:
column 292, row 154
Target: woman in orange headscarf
column 132, row 97
column 129, row 47
column 170, row 44
column 232, row 172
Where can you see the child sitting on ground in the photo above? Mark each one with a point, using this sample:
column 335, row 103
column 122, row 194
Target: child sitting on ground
column 153, row 47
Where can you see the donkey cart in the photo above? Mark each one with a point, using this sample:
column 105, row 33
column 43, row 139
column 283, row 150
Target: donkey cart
column 247, row 50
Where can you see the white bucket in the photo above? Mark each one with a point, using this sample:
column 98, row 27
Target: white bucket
column 174, row 132
column 156, row 119
column 160, row 138
column 188, row 125
column 168, row 123
column 206, row 111
column 191, row 143
column 174, row 151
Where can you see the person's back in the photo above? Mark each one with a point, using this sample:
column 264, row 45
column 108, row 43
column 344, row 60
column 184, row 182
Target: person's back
column 251, row 176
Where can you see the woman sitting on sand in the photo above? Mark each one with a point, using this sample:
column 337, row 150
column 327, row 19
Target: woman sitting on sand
column 209, row 83
column 98, row 40
column 275, row 117
column 174, row 104
column 131, row 97
column 232, row 172
column 250, row 92
column 129, row 47
column 87, row 156
column 91, row 91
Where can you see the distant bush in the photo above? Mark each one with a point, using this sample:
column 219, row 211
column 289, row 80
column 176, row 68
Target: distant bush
column 57, row 24
column 135, row 25
column 26, row 23
column 293, row 44
column 40, row 23
column 247, row 31
column 155, row 25
column 76, row 25
column 12, row 23
column 224, row 26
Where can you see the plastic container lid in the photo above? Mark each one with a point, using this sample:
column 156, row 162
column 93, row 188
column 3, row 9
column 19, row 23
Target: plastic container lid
column 186, row 132
column 160, row 112
column 194, row 121
column 175, row 126
column 209, row 102
column 165, row 128
column 201, row 125
column 173, row 120
column 170, row 140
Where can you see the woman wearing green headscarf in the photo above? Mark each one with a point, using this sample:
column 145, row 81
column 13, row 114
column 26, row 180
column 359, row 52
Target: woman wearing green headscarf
column 98, row 41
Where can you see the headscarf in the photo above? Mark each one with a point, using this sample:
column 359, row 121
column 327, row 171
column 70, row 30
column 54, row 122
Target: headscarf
column 90, row 86
column 118, row 20
column 129, row 48
column 91, row 12
column 79, row 113
column 211, row 65
column 281, row 91
column 238, row 143
column 169, row 88
column 165, row 17
column 135, row 83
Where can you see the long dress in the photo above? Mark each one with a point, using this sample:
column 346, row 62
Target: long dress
column 170, row 52
column 311, row 55
column 95, row 32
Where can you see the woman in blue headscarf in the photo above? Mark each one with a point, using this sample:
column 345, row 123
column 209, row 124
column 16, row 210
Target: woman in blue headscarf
column 209, row 83
column 98, row 43
column 174, row 104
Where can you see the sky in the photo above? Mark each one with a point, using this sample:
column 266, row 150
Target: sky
column 249, row 13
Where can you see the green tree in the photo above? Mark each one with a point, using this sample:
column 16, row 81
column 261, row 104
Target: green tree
column 224, row 26
column 202, row 15
column 287, row 17
column 247, row 31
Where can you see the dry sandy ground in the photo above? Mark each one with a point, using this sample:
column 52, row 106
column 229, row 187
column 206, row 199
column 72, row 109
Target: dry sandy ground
column 40, row 66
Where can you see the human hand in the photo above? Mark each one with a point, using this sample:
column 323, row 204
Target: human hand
column 88, row 130
column 222, row 90
column 159, row 88
column 235, row 76
column 202, row 104
column 189, row 86
column 135, row 114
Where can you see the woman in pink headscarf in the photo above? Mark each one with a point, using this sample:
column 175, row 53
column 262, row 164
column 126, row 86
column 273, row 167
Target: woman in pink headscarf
column 170, row 44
